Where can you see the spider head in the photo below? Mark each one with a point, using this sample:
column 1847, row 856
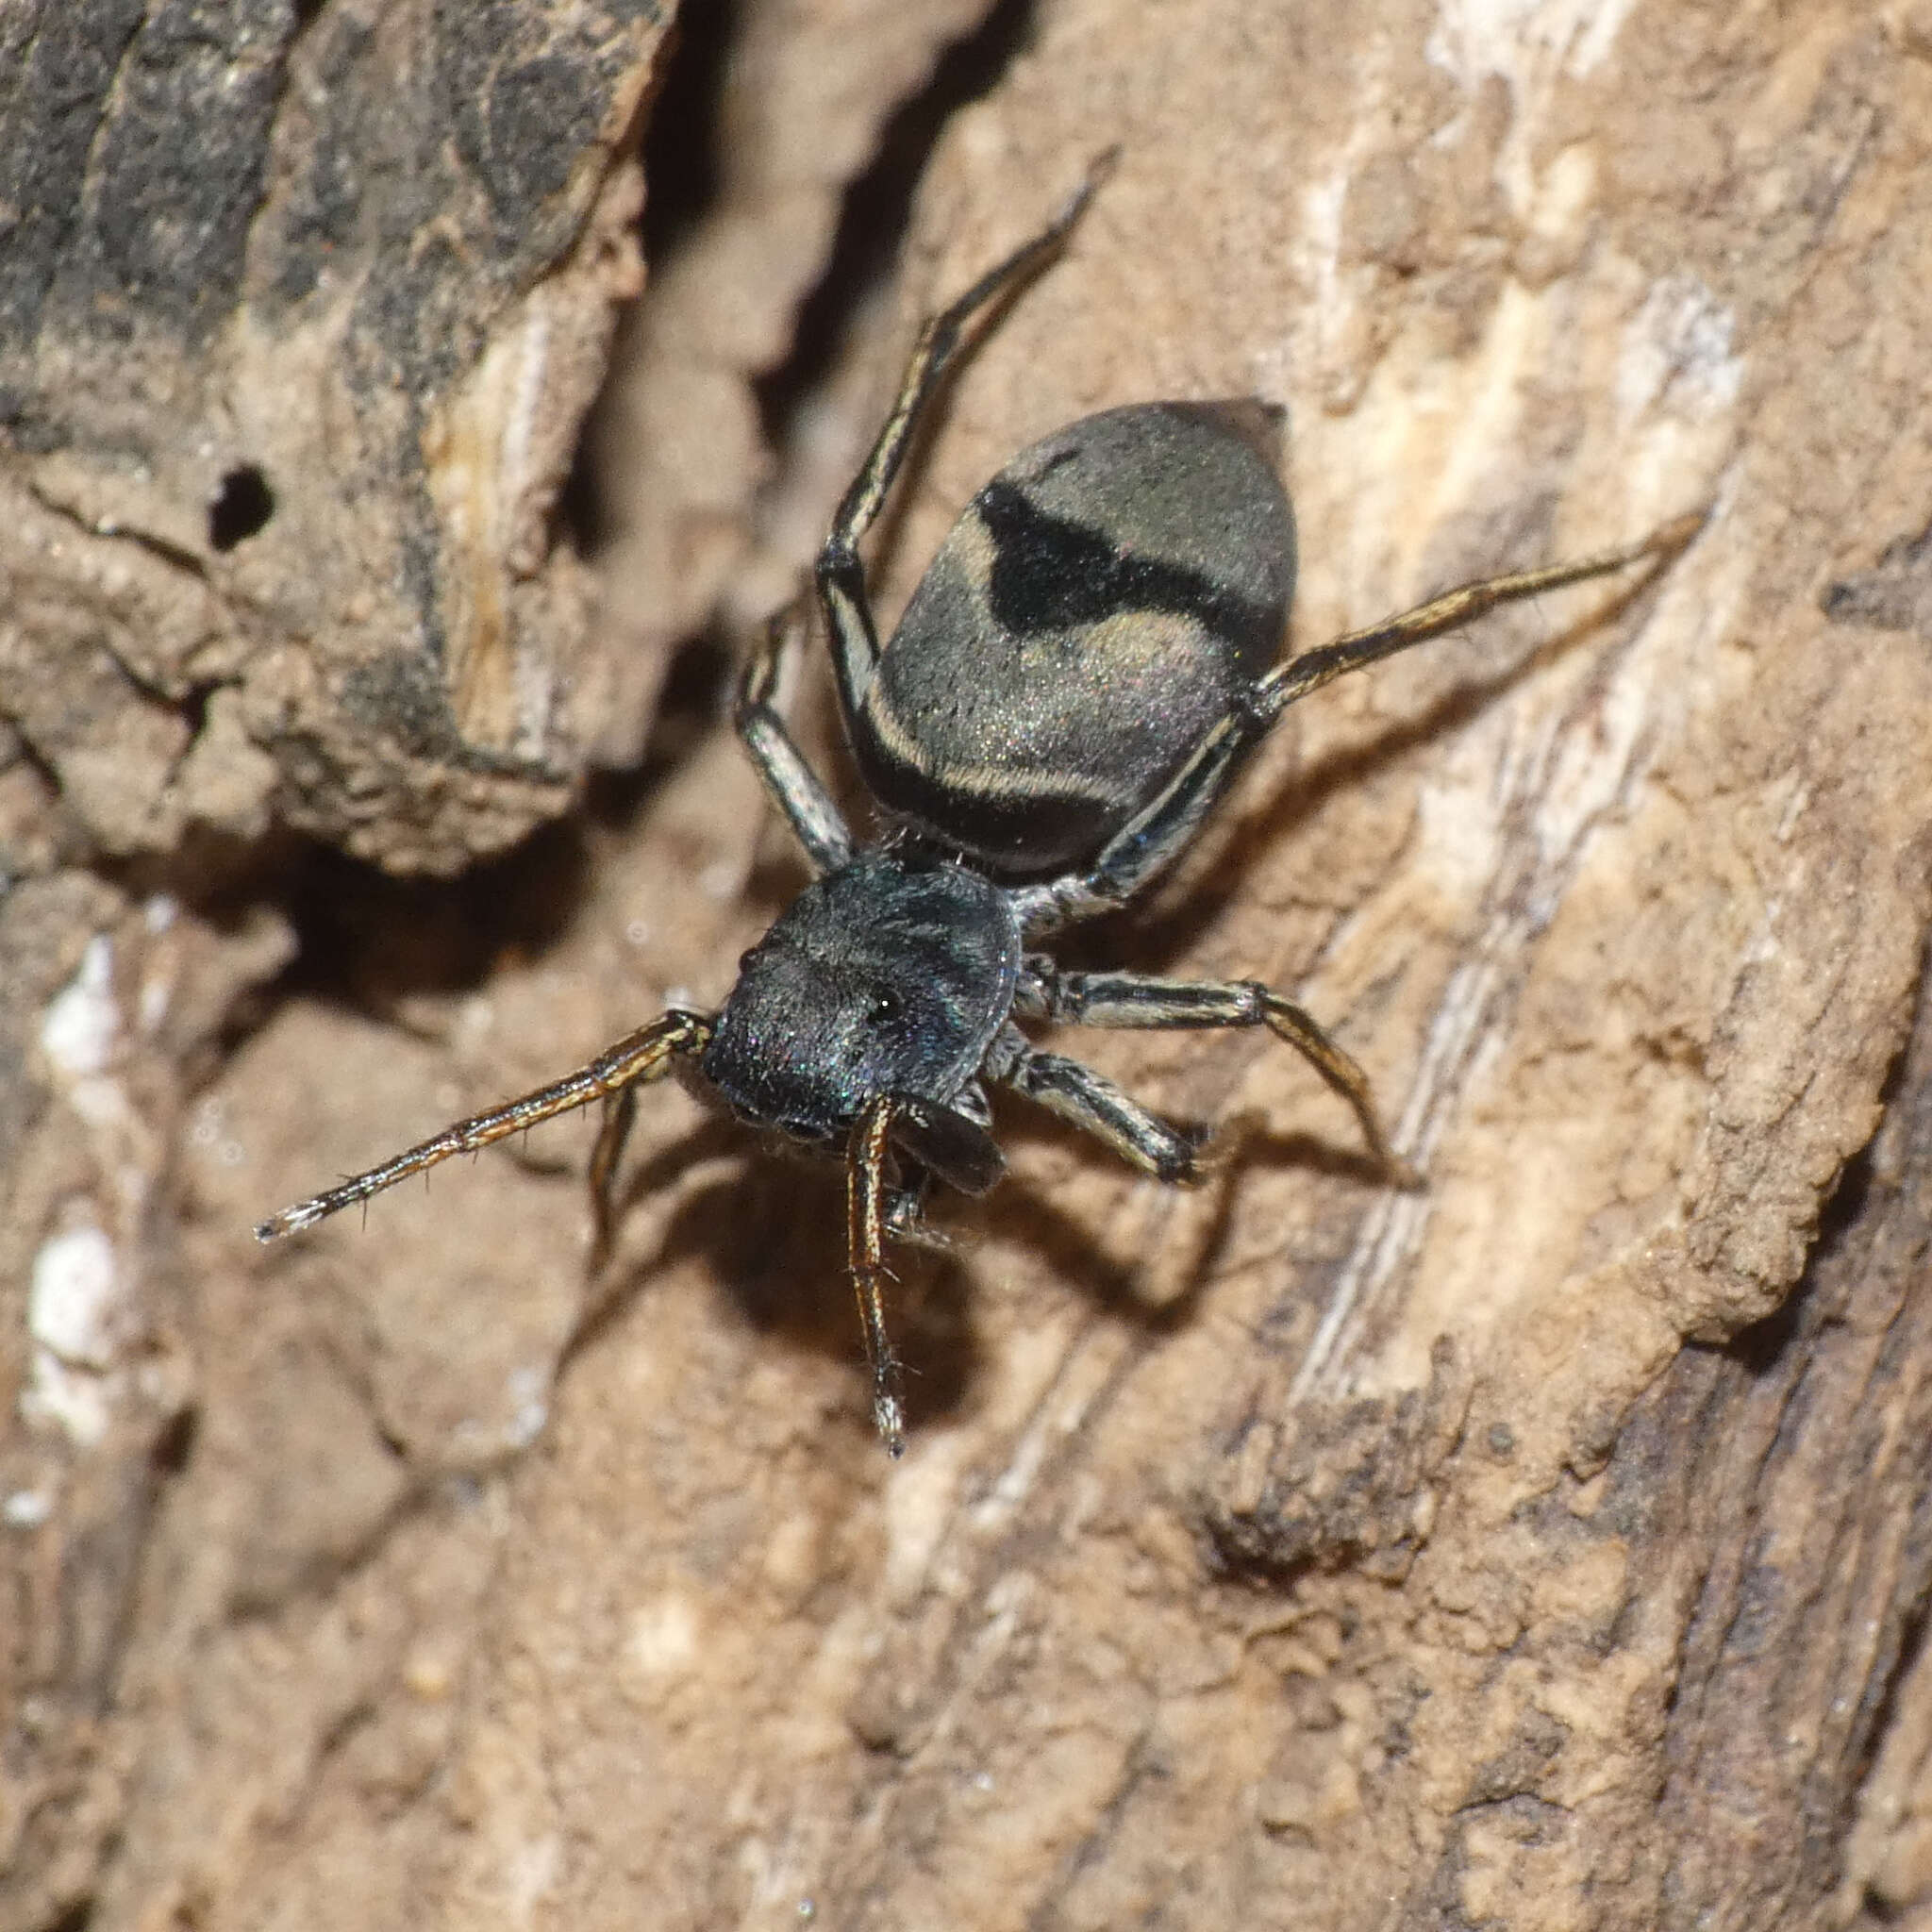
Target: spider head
column 885, row 976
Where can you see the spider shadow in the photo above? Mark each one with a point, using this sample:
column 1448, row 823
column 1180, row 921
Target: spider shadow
column 772, row 1235
column 1240, row 1146
column 770, row 1232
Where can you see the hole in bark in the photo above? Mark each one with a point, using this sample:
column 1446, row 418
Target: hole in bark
column 175, row 1443
column 242, row 508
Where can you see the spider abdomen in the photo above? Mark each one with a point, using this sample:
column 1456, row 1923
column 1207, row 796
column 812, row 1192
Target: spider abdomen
column 1099, row 606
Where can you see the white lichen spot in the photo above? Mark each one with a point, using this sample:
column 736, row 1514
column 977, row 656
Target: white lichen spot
column 1677, row 351
column 102, row 1102
column 26, row 1508
column 77, row 1315
column 1323, row 201
column 73, row 1401
column 530, row 1873
column 82, row 1020
column 1519, row 39
column 76, row 1302
column 151, row 1008
column 1764, row 946
column 1532, row 46
column 664, row 1636
column 1794, row 811
column 638, row 933
column 529, row 1407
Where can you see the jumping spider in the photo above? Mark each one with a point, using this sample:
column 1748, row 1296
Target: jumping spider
column 1084, row 669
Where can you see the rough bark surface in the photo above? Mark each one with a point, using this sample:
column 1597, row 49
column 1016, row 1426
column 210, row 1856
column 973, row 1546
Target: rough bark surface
column 1547, row 1549
column 297, row 319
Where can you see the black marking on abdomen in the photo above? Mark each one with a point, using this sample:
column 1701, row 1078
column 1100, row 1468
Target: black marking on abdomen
column 1050, row 575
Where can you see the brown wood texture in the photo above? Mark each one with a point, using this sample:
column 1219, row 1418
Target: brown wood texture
column 1546, row 1549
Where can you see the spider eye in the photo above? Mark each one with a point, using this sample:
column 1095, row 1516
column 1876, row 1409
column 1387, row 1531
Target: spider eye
column 885, row 1005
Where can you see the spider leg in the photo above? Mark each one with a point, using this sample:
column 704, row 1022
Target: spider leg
column 646, row 1054
column 1093, row 1103
column 906, row 1213
column 840, row 574
column 1165, row 825
column 867, row 1200
column 1295, row 680
column 794, row 786
column 1139, row 999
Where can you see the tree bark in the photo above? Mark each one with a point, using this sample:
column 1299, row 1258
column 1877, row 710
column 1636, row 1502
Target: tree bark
column 1544, row 1549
